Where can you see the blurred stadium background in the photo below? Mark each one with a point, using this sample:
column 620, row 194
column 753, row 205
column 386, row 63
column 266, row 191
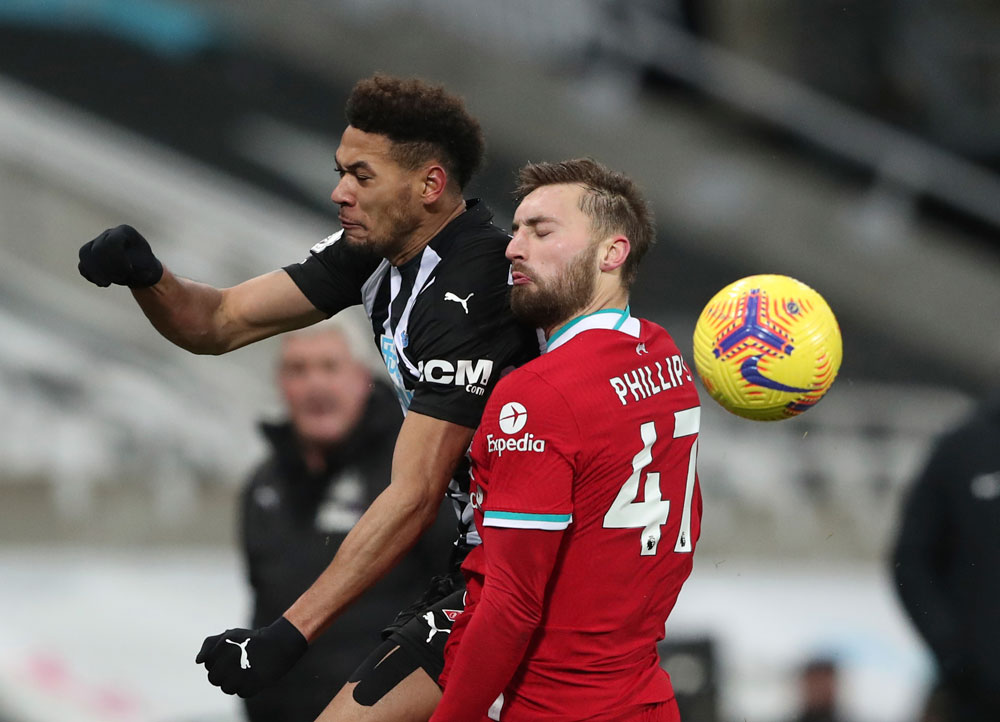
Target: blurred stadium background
column 853, row 145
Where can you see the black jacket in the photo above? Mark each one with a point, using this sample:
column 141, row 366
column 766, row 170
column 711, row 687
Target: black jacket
column 947, row 558
column 292, row 523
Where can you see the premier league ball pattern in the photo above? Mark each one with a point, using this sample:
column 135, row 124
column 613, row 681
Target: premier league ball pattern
column 767, row 347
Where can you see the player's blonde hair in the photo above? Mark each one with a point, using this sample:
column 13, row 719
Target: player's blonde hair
column 613, row 202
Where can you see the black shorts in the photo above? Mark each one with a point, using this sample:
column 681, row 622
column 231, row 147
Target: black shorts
column 415, row 639
column 425, row 635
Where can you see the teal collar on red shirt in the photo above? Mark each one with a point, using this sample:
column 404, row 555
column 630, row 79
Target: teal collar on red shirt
column 614, row 319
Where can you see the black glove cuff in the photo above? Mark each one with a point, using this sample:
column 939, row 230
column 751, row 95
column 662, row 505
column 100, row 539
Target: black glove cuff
column 149, row 274
column 287, row 636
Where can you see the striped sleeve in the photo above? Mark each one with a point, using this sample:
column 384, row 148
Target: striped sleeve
column 333, row 273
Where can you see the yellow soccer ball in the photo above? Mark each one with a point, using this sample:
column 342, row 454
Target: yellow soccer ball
column 767, row 347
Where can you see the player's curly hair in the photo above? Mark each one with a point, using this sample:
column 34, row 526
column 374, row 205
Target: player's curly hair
column 423, row 121
column 613, row 202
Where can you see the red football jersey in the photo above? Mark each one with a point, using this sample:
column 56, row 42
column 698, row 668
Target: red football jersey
column 595, row 440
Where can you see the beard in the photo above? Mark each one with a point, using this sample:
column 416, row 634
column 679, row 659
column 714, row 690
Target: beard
column 549, row 303
column 397, row 222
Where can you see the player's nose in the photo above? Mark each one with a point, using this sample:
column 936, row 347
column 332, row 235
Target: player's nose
column 340, row 194
column 515, row 248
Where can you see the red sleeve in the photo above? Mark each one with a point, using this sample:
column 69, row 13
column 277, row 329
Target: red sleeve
column 519, row 563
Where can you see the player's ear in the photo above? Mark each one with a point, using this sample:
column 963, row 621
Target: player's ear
column 616, row 250
column 435, row 180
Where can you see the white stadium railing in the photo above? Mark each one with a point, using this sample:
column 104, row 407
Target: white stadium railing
column 92, row 392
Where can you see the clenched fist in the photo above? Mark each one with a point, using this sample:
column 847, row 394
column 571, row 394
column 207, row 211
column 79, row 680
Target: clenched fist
column 120, row 255
column 245, row 661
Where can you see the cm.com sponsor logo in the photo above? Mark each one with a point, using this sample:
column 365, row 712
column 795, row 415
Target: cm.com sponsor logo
column 528, row 442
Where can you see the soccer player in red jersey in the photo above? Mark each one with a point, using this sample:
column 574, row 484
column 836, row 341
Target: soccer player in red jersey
column 584, row 484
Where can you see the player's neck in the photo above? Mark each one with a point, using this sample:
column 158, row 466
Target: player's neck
column 611, row 298
column 433, row 224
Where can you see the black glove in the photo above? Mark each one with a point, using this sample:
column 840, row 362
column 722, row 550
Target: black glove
column 440, row 587
column 120, row 255
column 245, row 661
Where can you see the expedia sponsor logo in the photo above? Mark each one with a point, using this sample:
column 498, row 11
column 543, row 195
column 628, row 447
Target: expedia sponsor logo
column 513, row 417
column 473, row 375
column 528, row 442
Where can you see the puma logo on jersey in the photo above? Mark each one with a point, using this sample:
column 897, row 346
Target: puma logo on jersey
column 244, row 657
column 640, row 349
column 449, row 296
column 429, row 618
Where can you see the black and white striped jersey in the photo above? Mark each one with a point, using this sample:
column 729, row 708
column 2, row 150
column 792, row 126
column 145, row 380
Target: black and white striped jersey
column 441, row 321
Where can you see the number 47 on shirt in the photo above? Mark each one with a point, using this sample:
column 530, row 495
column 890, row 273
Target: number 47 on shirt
column 651, row 513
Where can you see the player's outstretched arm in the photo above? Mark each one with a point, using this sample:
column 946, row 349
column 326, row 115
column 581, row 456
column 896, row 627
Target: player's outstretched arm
column 426, row 454
column 207, row 320
column 195, row 316
column 424, row 459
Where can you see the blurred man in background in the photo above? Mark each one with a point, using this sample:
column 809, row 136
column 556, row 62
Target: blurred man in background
column 947, row 561
column 329, row 460
column 818, row 689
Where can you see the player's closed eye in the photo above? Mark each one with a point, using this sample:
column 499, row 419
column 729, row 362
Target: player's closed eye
column 359, row 176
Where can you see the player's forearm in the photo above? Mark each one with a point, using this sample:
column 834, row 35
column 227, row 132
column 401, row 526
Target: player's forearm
column 519, row 565
column 186, row 313
column 426, row 453
column 382, row 536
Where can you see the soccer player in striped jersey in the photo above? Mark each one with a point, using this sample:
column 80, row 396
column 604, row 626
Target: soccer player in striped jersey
column 429, row 268
column 584, row 483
